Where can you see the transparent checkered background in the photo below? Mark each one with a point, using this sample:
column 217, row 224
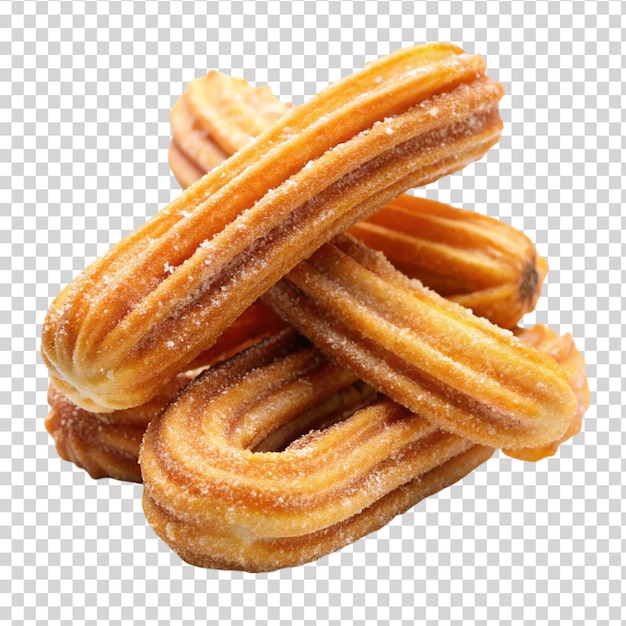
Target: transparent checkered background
column 85, row 91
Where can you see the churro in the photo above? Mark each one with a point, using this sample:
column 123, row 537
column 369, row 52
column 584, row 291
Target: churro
column 480, row 262
column 107, row 444
column 138, row 315
column 426, row 353
column 219, row 502
column 563, row 350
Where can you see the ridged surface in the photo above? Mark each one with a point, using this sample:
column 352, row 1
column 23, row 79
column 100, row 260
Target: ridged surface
column 482, row 263
column 139, row 314
column 107, row 444
column 479, row 262
column 563, row 350
column 220, row 503
column 217, row 116
column 431, row 355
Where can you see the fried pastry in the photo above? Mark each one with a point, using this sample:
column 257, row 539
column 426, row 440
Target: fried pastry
column 138, row 315
column 216, row 116
column 563, row 350
column 201, row 149
column 220, row 114
column 482, row 263
column 107, row 444
column 426, row 353
column 220, row 502
column 226, row 110
column 184, row 169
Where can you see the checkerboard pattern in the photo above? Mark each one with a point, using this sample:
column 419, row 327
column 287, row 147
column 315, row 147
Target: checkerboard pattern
column 85, row 92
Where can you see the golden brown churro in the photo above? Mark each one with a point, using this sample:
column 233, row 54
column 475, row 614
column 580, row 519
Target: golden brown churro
column 134, row 318
column 486, row 265
column 219, row 114
column 216, row 116
column 563, row 350
column 480, row 262
column 430, row 355
column 220, row 503
column 262, row 450
column 107, row 444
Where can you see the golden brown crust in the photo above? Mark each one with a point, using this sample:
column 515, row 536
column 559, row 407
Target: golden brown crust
column 479, row 262
column 104, row 445
column 430, row 355
column 219, row 550
column 185, row 171
column 107, row 444
column 216, row 116
column 227, row 111
column 563, row 350
column 139, row 314
column 222, row 112
column 200, row 145
column 482, row 263
column 219, row 503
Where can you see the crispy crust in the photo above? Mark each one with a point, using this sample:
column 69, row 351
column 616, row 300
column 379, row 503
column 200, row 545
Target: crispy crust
column 433, row 356
column 174, row 285
column 219, row 502
column 563, row 350
column 480, row 262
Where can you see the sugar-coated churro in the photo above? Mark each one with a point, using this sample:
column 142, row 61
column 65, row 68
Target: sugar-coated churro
column 563, row 350
column 219, row 502
column 480, row 262
column 429, row 354
column 134, row 318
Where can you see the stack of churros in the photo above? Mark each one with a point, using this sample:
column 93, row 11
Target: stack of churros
column 293, row 352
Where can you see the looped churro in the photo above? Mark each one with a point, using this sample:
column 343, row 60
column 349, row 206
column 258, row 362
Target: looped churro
column 220, row 503
column 138, row 315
